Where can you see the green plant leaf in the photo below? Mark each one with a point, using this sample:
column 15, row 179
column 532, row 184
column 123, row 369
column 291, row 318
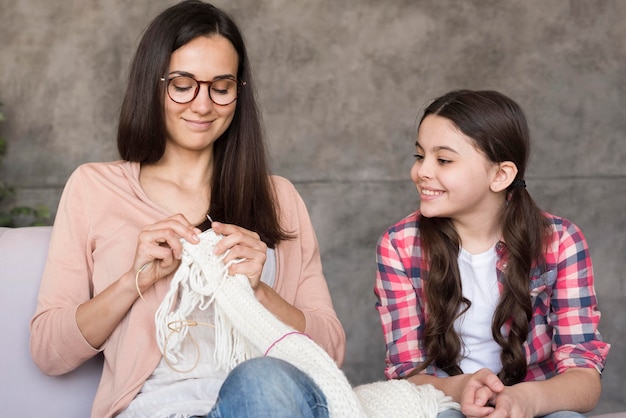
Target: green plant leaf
column 20, row 215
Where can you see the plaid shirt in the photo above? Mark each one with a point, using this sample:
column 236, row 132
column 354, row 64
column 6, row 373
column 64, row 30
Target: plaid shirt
column 563, row 329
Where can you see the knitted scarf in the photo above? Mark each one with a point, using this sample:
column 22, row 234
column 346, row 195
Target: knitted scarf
column 244, row 329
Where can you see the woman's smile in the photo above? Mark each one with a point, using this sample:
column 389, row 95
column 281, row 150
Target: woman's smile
column 199, row 125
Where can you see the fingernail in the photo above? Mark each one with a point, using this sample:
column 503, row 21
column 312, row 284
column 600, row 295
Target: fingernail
column 195, row 238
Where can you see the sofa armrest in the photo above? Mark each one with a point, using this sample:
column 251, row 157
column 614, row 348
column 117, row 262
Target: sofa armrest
column 26, row 390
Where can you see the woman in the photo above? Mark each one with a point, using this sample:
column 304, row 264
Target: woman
column 480, row 293
column 190, row 141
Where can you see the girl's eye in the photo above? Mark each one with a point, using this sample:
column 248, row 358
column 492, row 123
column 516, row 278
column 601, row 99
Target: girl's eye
column 418, row 157
column 443, row 162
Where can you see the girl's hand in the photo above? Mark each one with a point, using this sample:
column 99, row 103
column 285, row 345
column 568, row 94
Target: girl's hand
column 479, row 392
column 241, row 244
column 511, row 402
column 159, row 249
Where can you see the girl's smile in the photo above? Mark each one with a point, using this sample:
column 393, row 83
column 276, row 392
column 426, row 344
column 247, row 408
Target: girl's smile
column 427, row 194
column 452, row 176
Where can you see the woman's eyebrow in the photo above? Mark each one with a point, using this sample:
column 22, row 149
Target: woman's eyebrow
column 188, row 74
column 183, row 73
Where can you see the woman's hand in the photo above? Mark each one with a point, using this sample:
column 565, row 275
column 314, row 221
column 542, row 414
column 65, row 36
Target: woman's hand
column 159, row 249
column 241, row 244
column 250, row 253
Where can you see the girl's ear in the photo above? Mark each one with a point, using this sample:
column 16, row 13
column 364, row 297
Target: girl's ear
column 505, row 175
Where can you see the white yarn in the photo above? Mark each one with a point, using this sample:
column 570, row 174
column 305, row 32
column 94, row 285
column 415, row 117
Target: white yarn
column 245, row 329
column 401, row 398
column 194, row 286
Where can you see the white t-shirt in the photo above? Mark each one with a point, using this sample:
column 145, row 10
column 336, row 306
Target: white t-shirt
column 480, row 286
column 175, row 394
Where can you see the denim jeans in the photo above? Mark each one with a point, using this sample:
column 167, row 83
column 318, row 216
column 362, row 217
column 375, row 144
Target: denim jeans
column 269, row 387
column 451, row 413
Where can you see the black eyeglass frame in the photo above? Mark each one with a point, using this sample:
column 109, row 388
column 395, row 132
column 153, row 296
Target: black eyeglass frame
column 168, row 79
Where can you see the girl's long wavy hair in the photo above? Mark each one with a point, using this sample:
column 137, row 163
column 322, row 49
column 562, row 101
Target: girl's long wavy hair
column 241, row 190
column 499, row 129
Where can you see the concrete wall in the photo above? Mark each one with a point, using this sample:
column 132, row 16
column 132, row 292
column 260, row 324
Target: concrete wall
column 341, row 84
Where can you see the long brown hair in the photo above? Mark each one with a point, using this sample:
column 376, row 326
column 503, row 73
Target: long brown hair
column 498, row 127
column 241, row 190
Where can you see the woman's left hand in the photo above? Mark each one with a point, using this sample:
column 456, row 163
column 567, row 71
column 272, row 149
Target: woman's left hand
column 243, row 244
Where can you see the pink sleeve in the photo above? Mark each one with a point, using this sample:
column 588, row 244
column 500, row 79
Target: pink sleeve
column 57, row 345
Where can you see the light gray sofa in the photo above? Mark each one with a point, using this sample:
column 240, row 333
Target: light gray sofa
column 26, row 392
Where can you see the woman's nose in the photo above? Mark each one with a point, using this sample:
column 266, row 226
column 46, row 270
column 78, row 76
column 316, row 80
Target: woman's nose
column 202, row 103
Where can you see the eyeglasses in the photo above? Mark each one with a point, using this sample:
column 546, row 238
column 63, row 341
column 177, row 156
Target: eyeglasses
column 222, row 91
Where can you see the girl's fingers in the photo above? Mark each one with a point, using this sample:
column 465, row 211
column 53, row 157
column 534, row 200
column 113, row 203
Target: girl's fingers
column 483, row 396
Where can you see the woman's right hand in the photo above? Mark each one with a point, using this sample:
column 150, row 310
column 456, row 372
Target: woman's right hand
column 159, row 249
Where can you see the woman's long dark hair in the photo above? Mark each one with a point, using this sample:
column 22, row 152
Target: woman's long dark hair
column 499, row 129
column 241, row 190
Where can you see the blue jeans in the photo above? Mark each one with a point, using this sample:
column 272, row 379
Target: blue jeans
column 269, row 387
column 451, row 413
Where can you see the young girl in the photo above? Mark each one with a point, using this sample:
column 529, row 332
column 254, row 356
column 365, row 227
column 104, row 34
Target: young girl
column 480, row 293
column 190, row 141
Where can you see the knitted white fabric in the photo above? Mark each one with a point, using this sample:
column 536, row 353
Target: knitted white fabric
column 402, row 399
column 245, row 329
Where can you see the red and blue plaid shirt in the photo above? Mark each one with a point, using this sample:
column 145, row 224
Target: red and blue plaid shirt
column 563, row 329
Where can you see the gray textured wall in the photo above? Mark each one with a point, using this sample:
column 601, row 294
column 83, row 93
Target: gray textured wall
column 341, row 84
